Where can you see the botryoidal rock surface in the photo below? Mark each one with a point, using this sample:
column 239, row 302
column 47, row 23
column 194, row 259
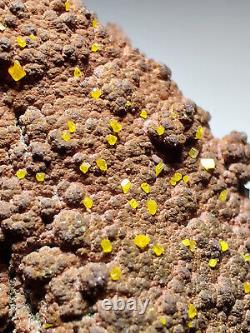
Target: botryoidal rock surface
column 112, row 185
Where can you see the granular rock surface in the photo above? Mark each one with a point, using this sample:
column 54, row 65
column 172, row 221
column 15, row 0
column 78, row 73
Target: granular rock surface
column 112, row 186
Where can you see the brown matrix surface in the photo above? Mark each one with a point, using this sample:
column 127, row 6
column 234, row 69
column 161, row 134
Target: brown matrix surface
column 112, row 185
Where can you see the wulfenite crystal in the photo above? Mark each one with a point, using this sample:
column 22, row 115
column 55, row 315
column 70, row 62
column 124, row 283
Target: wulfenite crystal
column 126, row 185
column 141, row 241
column 115, row 273
column 21, row 173
column 16, row 71
column 152, row 206
column 106, row 246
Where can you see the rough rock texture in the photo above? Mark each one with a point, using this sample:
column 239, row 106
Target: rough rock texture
column 53, row 271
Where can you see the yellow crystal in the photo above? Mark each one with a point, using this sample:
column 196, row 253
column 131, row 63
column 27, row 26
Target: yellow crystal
column 112, row 139
column 176, row 178
column 128, row 104
column 115, row 273
column 186, row 242
column 145, row 187
column 133, row 203
column 152, row 206
column 199, row 133
column 126, row 185
column 246, row 257
column 160, row 130
column 223, row 246
column 172, row 182
column 16, row 71
column 32, row 37
column 67, row 6
column 106, row 246
column 102, row 164
column 96, row 93
column 40, row 176
column 208, row 163
column 95, row 47
column 71, row 126
column 21, row 42
column 192, row 312
column 144, row 114
column 213, row 263
column 141, row 241
column 158, row 249
column 246, row 287
column 47, row 326
column 77, row 72
column 115, row 125
column 94, row 23
column 186, row 179
column 21, row 173
column 190, row 243
column 88, row 202
column 159, row 168
column 193, row 152
column 66, row 136
column 223, row 195
column 84, row 167
column 163, row 320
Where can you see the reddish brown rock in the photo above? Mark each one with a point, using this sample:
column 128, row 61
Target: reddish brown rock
column 54, row 273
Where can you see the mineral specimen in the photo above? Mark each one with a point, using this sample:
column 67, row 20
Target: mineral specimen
column 112, row 186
